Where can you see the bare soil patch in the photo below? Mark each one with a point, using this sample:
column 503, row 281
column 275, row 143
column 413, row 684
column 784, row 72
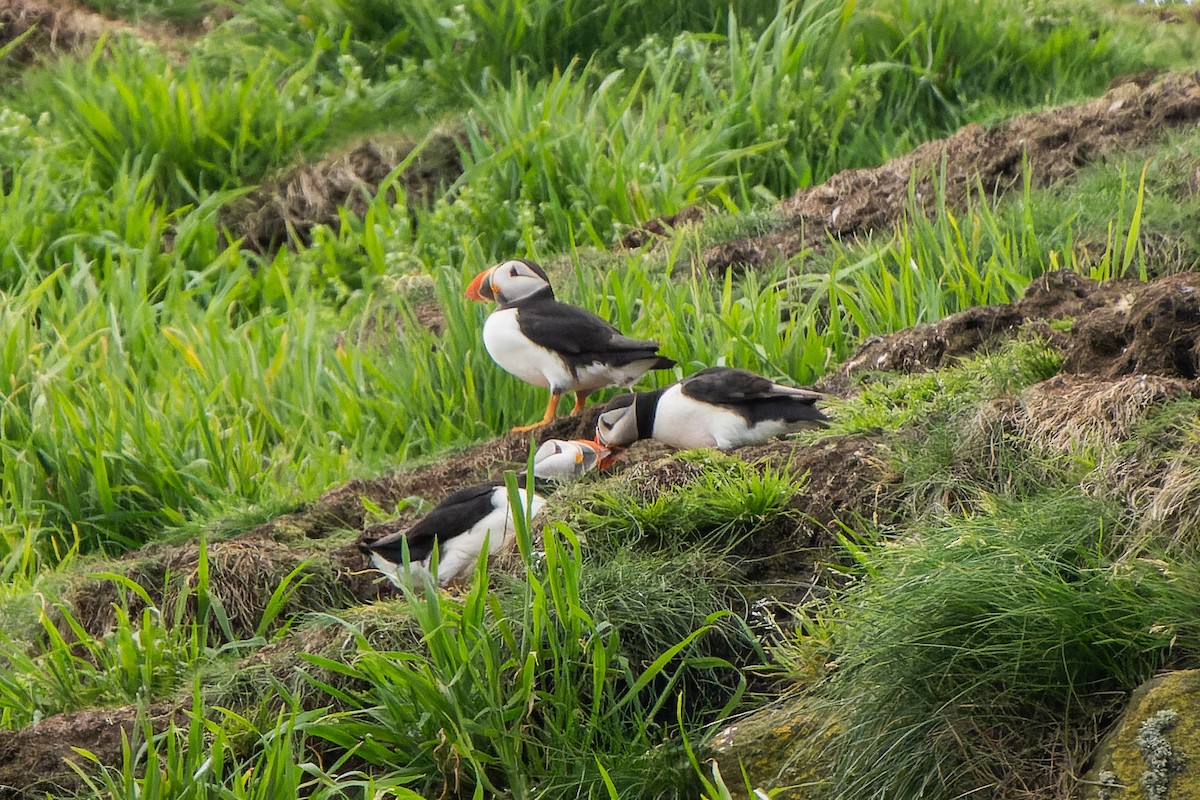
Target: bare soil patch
column 1152, row 328
column 1055, row 143
column 660, row 227
column 285, row 209
column 34, row 760
column 1112, row 329
column 64, row 26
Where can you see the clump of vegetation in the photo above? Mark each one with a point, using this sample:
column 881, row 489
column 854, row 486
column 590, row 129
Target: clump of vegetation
column 707, row 499
column 990, row 639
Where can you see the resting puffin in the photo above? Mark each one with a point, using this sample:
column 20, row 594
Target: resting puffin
column 461, row 523
column 719, row 407
column 553, row 344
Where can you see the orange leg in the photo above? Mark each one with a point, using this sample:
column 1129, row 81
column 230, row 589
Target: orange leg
column 580, row 397
column 551, row 410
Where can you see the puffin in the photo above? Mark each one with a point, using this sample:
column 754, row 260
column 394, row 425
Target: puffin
column 460, row 524
column 721, row 407
column 555, row 345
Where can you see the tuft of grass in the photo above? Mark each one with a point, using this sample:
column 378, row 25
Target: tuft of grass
column 202, row 757
column 1006, row 625
column 1156, row 472
column 891, row 401
column 195, row 133
column 543, row 697
column 143, row 656
column 700, row 498
column 180, row 13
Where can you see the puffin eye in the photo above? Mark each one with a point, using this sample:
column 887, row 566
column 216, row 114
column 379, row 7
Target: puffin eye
column 513, row 272
column 557, row 448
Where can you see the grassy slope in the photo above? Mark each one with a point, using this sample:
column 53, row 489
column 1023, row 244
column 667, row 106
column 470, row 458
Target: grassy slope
column 152, row 386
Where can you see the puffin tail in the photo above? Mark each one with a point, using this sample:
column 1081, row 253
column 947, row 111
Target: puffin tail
column 664, row 363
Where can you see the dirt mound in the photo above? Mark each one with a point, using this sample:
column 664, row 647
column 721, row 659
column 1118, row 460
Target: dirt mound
column 33, row 760
column 849, row 480
column 1110, row 329
column 1153, row 328
column 926, row 347
column 243, row 574
column 659, row 227
column 286, row 209
column 1054, row 143
column 62, row 26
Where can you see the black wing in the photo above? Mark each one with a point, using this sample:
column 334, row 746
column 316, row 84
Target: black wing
column 578, row 334
column 454, row 515
column 724, row 385
column 754, row 397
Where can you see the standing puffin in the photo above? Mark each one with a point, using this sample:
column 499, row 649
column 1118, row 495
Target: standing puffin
column 460, row 524
column 553, row 344
column 719, row 407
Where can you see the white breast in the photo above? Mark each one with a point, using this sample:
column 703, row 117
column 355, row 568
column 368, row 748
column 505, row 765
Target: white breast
column 685, row 423
column 530, row 362
column 598, row 375
column 456, row 556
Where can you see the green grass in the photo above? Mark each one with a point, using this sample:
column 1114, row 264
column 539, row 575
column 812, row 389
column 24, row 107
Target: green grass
column 140, row 410
column 714, row 502
column 180, row 13
column 198, row 757
column 156, row 379
column 544, row 694
column 144, row 657
column 959, row 649
column 196, row 129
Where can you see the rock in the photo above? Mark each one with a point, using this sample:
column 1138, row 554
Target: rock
column 1153, row 752
column 766, row 745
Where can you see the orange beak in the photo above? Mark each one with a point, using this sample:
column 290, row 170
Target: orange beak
column 600, row 450
column 480, row 287
column 607, row 456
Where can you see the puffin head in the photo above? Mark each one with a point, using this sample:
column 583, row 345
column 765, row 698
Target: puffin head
column 560, row 459
column 617, row 425
column 509, row 282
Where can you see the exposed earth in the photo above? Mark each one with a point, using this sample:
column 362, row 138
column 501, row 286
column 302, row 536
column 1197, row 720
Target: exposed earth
column 1126, row 346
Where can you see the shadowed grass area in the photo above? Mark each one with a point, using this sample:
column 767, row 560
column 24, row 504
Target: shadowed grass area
column 1009, row 624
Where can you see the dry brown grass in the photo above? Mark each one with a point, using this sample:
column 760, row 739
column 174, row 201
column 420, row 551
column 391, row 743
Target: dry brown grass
column 243, row 574
column 1073, row 413
column 1098, row 425
column 285, row 209
column 67, row 26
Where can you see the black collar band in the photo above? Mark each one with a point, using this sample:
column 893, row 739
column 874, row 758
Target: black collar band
column 645, row 405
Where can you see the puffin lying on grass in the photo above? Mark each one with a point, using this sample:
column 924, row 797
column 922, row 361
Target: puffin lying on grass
column 553, row 344
column 719, row 407
column 460, row 524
